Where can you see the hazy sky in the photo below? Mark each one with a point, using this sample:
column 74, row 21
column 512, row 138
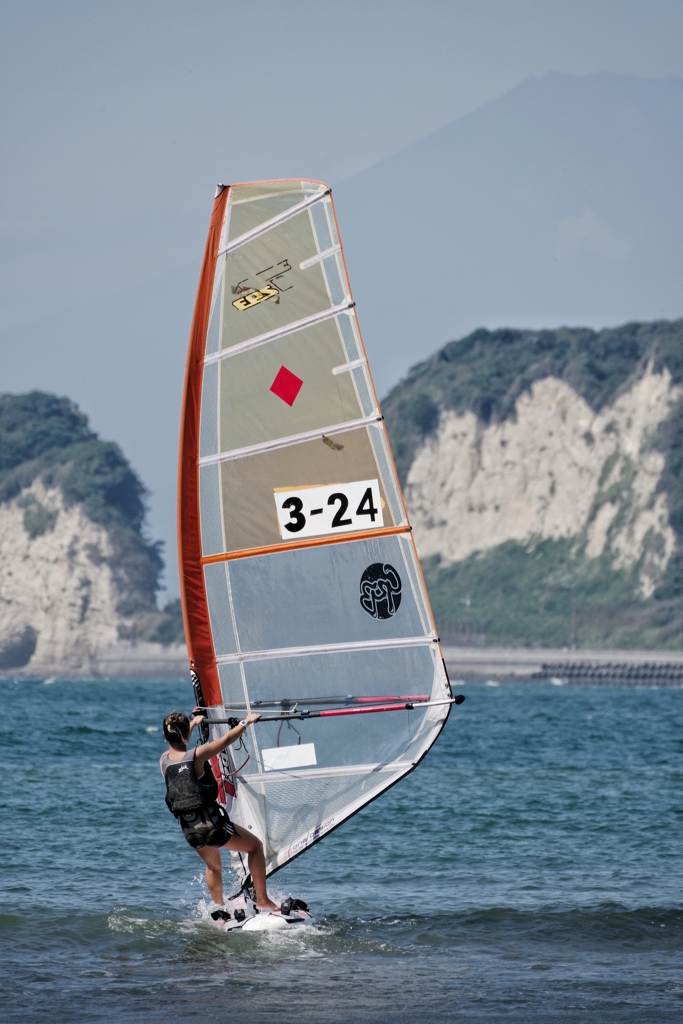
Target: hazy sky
column 118, row 119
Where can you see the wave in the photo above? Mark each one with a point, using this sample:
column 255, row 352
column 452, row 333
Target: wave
column 606, row 923
column 604, row 963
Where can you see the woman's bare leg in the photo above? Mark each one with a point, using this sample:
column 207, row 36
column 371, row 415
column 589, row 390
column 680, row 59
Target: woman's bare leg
column 211, row 856
column 244, row 842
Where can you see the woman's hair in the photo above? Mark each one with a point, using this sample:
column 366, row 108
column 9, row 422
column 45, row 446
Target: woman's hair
column 177, row 727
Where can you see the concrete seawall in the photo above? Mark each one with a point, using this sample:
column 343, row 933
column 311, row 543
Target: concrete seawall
column 125, row 660
column 142, row 661
column 617, row 668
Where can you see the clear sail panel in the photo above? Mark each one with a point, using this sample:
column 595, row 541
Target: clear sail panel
column 326, row 767
column 367, row 590
column 378, row 737
column 299, row 812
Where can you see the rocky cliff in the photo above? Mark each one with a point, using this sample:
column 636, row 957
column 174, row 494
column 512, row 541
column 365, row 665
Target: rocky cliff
column 78, row 577
column 543, row 471
column 543, row 475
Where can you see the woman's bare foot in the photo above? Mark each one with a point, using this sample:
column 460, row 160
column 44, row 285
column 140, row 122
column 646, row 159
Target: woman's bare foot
column 269, row 905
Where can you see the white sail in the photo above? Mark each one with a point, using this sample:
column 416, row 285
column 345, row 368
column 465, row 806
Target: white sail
column 301, row 584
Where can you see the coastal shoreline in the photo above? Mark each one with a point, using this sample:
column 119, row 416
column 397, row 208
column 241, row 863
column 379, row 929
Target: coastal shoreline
column 145, row 660
column 125, row 660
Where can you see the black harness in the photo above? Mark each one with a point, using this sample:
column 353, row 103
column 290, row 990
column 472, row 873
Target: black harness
column 193, row 801
column 186, row 793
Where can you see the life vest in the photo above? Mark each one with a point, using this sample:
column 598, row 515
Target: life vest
column 184, row 791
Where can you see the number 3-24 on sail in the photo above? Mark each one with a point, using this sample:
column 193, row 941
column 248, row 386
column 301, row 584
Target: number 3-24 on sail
column 337, row 508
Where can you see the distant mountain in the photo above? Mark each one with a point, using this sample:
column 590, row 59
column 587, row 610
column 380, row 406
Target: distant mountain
column 77, row 574
column 543, row 471
column 558, row 203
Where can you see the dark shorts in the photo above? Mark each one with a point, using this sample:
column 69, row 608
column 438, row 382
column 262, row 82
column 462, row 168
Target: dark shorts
column 209, row 827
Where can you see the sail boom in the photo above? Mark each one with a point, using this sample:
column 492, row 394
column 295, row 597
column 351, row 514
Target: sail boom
column 304, row 715
column 368, row 710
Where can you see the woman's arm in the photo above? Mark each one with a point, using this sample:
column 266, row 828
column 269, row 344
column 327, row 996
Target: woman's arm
column 194, row 722
column 206, row 751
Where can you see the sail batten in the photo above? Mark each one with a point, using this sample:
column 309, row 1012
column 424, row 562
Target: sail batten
column 296, row 652
column 289, row 702
column 299, row 572
column 345, row 367
column 313, row 542
column 284, row 442
column 332, row 773
column 321, row 256
column 281, row 332
column 274, row 222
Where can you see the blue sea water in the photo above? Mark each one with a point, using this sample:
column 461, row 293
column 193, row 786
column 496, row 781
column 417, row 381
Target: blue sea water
column 531, row 869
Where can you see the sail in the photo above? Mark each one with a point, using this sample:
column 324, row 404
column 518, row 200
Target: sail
column 301, row 585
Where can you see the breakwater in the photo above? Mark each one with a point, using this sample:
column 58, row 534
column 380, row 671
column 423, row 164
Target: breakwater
column 595, row 668
column 612, row 673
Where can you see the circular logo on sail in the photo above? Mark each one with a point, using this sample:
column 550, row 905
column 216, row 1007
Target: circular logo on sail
column 380, row 590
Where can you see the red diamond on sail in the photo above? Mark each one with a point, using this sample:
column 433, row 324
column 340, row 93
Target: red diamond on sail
column 286, row 385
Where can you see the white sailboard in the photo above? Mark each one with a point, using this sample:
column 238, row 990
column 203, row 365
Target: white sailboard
column 302, row 590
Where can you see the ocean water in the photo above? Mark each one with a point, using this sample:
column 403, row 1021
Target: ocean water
column 531, row 869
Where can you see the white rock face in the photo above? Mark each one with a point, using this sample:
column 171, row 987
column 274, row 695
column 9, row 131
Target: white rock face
column 558, row 470
column 57, row 587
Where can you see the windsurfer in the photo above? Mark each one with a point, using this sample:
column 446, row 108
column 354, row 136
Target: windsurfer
column 191, row 795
